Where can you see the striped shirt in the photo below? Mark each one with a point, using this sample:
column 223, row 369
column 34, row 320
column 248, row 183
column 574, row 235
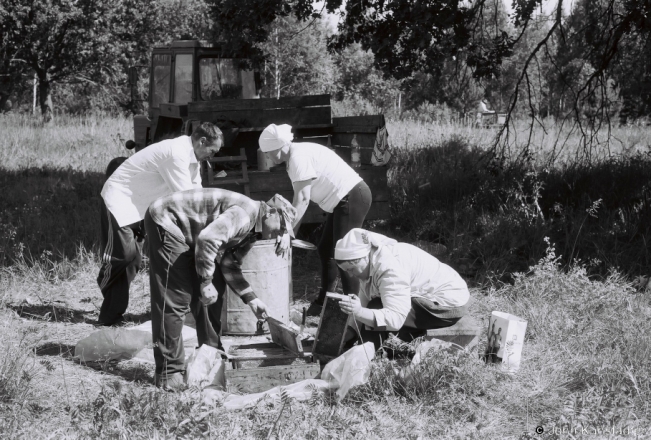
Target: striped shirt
column 208, row 220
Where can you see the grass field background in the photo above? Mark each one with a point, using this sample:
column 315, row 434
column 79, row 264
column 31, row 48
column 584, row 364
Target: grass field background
column 558, row 243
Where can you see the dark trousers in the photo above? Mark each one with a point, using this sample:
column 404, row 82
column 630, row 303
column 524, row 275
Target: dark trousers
column 348, row 214
column 175, row 291
column 121, row 248
column 425, row 319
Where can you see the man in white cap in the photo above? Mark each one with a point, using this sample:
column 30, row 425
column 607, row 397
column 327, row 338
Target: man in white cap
column 161, row 168
column 186, row 231
column 403, row 289
column 320, row 175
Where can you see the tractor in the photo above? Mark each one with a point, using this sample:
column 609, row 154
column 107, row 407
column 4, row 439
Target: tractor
column 192, row 81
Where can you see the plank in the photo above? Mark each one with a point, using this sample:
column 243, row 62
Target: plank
column 355, row 129
column 262, row 118
column 377, row 120
column 285, row 336
column 329, row 340
column 256, row 380
column 262, row 103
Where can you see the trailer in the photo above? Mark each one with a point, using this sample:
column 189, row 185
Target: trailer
column 192, row 82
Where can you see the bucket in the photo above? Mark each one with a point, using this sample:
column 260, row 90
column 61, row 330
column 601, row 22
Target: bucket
column 270, row 277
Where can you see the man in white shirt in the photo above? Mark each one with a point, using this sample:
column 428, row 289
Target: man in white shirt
column 160, row 169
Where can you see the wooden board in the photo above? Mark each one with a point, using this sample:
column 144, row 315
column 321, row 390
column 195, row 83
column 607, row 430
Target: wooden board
column 347, row 121
column 257, row 380
column 329, row 340
column 262, row 103
column 263, row 117
column 266, row 354
column 285, row 336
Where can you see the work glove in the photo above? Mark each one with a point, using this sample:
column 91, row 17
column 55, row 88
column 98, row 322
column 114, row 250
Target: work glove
column 283, row 242
column 258, row 308
column 208, row 295
column 351, row 305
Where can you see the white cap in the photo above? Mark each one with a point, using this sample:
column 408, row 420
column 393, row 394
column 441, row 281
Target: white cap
column 357, row 244
column 275, row 137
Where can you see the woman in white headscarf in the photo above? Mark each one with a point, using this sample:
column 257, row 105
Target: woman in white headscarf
column 320, row 175
column 402, row 288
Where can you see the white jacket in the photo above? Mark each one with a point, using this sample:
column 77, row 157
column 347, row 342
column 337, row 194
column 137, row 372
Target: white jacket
column 401, row 271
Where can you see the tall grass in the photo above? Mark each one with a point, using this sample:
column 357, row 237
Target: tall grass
column 79, row 143
column 493, row 213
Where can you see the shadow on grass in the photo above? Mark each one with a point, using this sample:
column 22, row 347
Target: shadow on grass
column 128, row 370
column 45, row 312
column 52, row 348
column 48, row 210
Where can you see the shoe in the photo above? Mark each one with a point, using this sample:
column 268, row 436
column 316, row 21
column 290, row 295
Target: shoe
column 315, row 308
column 117, row 323
column 170, row 382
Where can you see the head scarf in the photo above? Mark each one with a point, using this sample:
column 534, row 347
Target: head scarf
column 275, row 137
column 287, row 211
column 358, row 242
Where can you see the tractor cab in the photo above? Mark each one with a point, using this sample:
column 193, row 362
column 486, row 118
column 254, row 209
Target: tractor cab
column 190, row 71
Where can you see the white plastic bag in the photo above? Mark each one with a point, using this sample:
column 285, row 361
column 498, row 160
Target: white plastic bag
column 505, row 340
column 112, row 344
column 205, row 367
column 350, row 369
column 127, row 343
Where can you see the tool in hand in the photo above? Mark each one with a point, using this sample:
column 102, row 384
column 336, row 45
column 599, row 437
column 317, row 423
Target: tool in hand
column 260, row 324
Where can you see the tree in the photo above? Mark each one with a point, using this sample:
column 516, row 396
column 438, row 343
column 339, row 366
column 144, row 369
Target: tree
column 360, row 84
column 296, row 59
column 89, row 41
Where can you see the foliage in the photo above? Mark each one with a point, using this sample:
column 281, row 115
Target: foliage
column 493, row 214
column 296, row 59
column 89, row 42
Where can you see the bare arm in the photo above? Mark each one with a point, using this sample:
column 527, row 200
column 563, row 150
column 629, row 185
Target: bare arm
column 302, row 193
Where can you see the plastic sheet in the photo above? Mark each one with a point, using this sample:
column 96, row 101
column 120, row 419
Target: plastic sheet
column 112, row 344
column 299, row 391
column 348, row 370
column 126, row 343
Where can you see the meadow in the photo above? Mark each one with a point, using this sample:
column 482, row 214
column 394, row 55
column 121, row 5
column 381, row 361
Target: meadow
column 558, row 241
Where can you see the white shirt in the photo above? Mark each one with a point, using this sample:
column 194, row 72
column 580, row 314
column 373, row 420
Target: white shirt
column 332, row 178
column 401, row 271
column 160, row 169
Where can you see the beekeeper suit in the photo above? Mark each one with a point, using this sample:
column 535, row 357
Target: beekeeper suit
column 403, row 289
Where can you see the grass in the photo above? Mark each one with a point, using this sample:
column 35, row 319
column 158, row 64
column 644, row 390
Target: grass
column 513, row 231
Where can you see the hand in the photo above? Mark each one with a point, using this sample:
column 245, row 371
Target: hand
column 351, row 305
column 208, row 295
column 258, row 308
column 283, row 242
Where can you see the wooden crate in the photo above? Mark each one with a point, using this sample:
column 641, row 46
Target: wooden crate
column 261, row 366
